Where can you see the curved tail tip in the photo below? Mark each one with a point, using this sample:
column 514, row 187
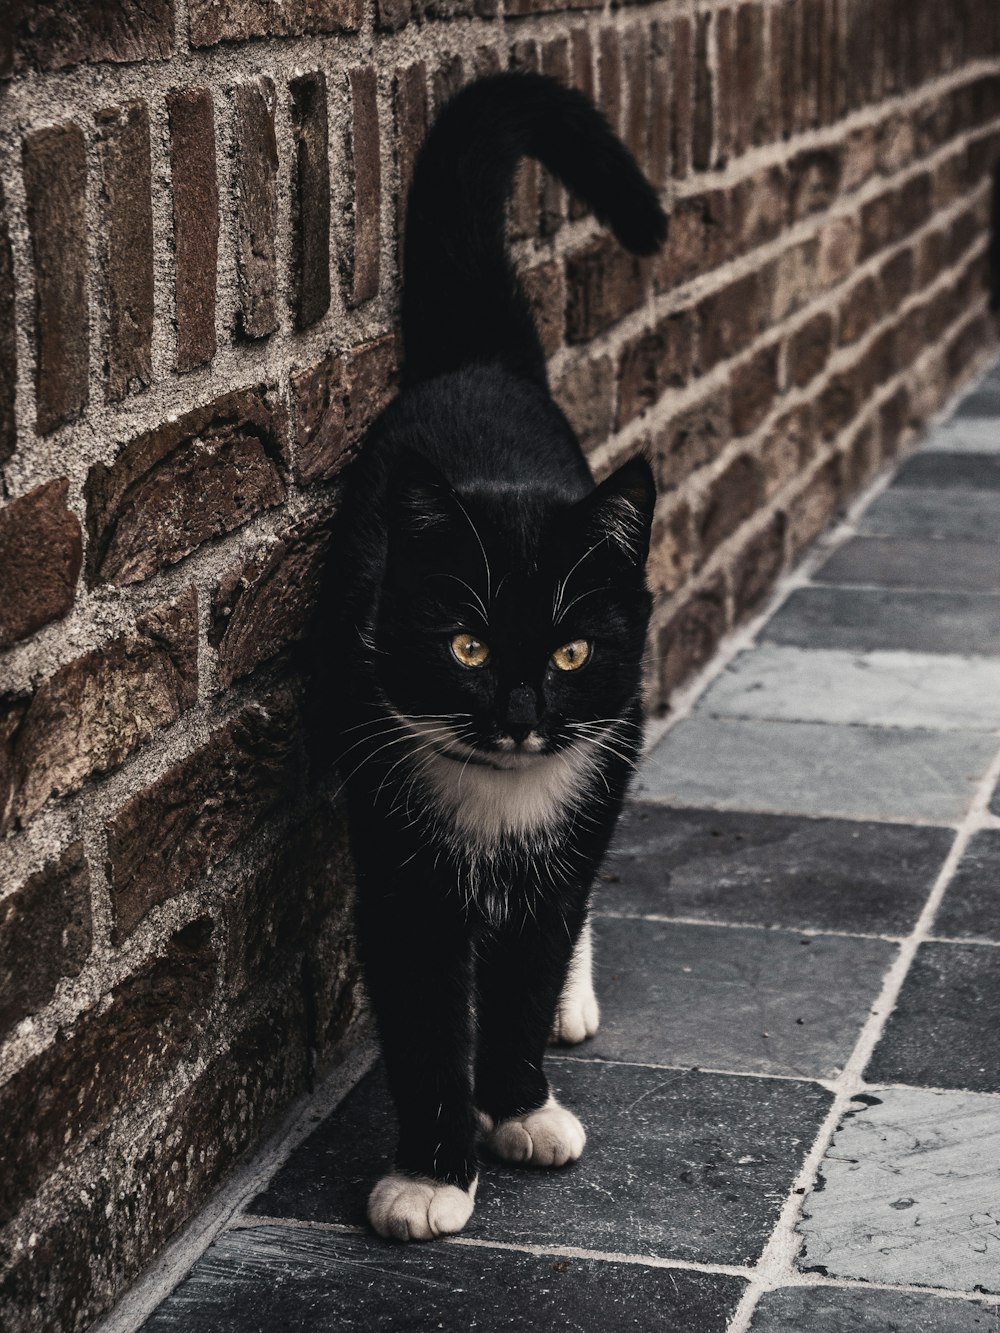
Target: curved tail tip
column 643, row 229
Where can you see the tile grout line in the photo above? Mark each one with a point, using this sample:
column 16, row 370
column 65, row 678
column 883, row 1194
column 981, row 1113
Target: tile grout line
column 776, row 1264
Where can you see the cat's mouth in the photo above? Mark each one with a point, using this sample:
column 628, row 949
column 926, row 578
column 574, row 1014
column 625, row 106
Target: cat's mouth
column 505, row 758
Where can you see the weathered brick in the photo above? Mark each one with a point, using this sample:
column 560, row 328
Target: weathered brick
column 336, row 400
column 794, row 279
column 603, row 283
column 703, row 110
column 92, row 1071
column 660, row 105
column 45, row 934
column 691, row 636
column 753, row 387
column 123, row 152
column 730, row 319
column 752, row 90
column 173, row 833
column 839, row 244
column 391, row 15
column 310, row 200
column 809, row 349
column 756, row 568
column 727, row 73
column 543, row 286
column 896, row 277
column 879, row 224
column 8, row 340
column 894, row 422
column 860, row 310
column 609, row 75
column 175, row 487
column 692, row 438
column 522, row 8
column 860, row 457
column 40, row 555
column 585, row 392
column 55, row 182
column 735, row 494
column 682, row 45
column 93, row 712
column 213, row 21
column 48, row 35
column 555, row 63
column 759, row 208
column 652, row 362
column 671, row 558
column 789, row 446
column 257, row 206
column 814, row 180
column 635, row 91
column 367, row 176
column 523, row 206
column 814, row 506
column 196, row 223
column 836, row 405
column 696, row 240
column 410, row 108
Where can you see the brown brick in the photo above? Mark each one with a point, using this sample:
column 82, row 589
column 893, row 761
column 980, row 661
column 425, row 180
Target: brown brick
column 652, row 362
column 814, row 178
column 603, row 283
column 915, row 201
column 585, row 392
column 752, row 90
column 175, row 487
column 239, row 20
column 173, row 833
column 521, row 8
column 730, row 319
column 45, row 934
column 196, row 223
column 310, row 200
column 861, row 457
column 543, row 286
column 660, row 105
column 735, row 494
column 523, row 209
column 55, row 182
column 671, row 557
column 692, row 438
column 8, row 341
column 691, row 636
column 266, row 603
column 788, row 447
column 858, row 158
column 756, row 568
column 410, row 108
column 860, row 311
column 89, row 1073
column 40, row 555
column 836, row 406
column 682, row 44
column 727, row 74
column 367, row 185
column 815, row 505
column 391, row 15
column 582, row 62
column 123, row 152
column 809, row 349
column 840, row 242
column 635, row 91
column 896, row 278
column 336, row 400
column 257, row 206
column 759, row 208
column 753, row 387
column 894, row 422
column 794, row 281
column 48, row 35
column 93, row 712
column 696, row 240
column 609, row 74
column 555, row 63
column 703, row 111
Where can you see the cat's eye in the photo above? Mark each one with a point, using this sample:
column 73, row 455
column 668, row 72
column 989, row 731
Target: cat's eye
column 469, row 650
column 571, row 656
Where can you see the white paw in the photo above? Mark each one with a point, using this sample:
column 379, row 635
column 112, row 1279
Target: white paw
column 418, row 1208
column 577, row 1017
column 550, row 1136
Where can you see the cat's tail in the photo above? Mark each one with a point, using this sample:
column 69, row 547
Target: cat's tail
column 462, row 302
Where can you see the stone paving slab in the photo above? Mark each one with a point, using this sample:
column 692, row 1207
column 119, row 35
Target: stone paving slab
column 869, row 1310
column 916, row 563
column 754, row 1001
column 983, row 401
column 275, row 1279
column 945, row 472
column 965, row 435
column 880, row 689
column 945, row 1029
column 814, row 769
column 678, row 1164
column 967, row 515
column 909, row 1192
column 971, row 904
column 771, row 870
column 865, row 620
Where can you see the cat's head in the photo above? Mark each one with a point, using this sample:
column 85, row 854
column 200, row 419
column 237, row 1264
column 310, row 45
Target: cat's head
column 511, row 625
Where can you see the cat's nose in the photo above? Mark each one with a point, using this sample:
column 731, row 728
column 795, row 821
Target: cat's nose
column 522, row 712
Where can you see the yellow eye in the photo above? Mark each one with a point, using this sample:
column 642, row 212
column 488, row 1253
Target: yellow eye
column 571, row 656
column 469, row 650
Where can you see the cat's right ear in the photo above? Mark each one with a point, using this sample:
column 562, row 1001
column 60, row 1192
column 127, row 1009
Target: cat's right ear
column 422, row 498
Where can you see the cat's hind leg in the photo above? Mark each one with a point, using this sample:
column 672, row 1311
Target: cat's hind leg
column 578, row 1014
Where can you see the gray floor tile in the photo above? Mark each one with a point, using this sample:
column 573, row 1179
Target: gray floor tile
column 867, row 619
column 945, row 1029
column 908, row 1193
column 882, row 689
column 969, row 515
column 981, row 402
column 950, row 471
column 869, row 1310
column 715, row 997
column 678, row 1164
column 809, row 768
column 964, row 435
column 914, row 562
column 276, row 1279
column 971, row 905
column 771, row 870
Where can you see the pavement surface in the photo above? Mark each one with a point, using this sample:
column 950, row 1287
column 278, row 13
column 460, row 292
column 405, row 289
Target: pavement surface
column 793, row 1102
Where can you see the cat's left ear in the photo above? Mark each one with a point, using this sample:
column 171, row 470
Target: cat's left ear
column 620, row 510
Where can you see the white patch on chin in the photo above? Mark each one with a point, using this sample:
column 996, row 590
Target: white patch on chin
column 578, row 1015
column 550, row 1136
column 419, row 1208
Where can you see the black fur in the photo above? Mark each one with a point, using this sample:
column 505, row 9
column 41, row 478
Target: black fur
column 472, row 508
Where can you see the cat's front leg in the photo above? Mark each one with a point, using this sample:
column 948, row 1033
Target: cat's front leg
column 578, row 1014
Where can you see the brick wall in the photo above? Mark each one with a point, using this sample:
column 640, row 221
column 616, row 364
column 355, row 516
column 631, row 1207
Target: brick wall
column 198, row 285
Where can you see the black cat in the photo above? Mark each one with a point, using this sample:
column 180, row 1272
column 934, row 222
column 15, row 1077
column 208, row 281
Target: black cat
column 484, row 664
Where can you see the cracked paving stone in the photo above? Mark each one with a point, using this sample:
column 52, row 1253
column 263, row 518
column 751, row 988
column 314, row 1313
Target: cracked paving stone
column 933, row 691
column 679, row 1164
column 955, row 514
column 945, row 472
column 945, row 1029
column 770, row 870
column 869, row 1310
column 308, row 1280
column 971, row 905
column 868, row 619
column 812, row 768
column 755, row 1001
column 909, row 1192
column 926, row 564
